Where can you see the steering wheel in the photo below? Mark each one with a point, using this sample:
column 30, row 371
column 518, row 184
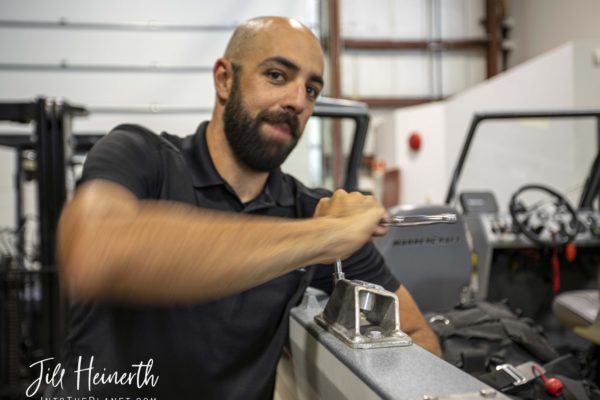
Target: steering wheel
column 551, row 222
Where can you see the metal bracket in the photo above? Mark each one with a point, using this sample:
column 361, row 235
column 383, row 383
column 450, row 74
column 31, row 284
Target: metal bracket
column 363, row 315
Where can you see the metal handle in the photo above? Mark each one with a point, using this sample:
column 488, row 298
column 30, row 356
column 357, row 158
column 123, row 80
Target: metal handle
column 416, row 220
column 338, row 274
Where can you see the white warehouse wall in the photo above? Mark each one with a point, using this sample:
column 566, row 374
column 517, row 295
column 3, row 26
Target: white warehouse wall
column 176, row 48
column 421, row 177
column 563, row 79
column 548, row 82
column 143, row 48
column 410, row 73
column 541, row 25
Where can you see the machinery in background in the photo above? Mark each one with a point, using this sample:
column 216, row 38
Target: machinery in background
column 542, row 245
column 32, row 307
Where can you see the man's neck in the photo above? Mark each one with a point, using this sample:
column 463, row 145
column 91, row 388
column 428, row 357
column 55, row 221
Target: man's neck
column 246, row 183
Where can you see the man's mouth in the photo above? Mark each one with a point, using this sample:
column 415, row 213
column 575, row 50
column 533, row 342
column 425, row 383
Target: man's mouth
column 280, row 126
column 279, row 130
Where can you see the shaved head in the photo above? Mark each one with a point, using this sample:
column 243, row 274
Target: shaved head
column 244, row 38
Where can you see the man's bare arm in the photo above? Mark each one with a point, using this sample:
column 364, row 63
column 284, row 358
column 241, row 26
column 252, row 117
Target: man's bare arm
column 413, row 323
column 113, row 246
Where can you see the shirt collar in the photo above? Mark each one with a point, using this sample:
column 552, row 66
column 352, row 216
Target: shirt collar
column 278, row 189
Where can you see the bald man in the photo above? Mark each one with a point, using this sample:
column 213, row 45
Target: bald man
column 184, row 255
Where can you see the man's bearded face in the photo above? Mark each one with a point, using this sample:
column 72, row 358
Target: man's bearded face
column 243, row 133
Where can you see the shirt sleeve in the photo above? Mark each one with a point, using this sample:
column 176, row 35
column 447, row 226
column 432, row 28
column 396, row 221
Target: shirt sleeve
column 128, row 156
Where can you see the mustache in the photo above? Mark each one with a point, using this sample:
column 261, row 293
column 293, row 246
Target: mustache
column 281, row 118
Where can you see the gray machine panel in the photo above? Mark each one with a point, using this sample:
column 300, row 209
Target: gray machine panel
column 432, row 261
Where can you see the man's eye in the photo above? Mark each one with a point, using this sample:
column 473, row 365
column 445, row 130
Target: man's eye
column 275, row 75
column 312, row 92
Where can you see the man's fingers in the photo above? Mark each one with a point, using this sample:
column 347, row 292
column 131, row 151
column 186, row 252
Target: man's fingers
column 339, row 193
column 322, row 207
column 354, row 204
column 380, row 230
column 357, row 216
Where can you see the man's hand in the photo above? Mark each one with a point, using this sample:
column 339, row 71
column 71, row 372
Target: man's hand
column 356, row 216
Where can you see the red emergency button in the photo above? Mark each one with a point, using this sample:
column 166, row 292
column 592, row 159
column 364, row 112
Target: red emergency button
column 414, row 141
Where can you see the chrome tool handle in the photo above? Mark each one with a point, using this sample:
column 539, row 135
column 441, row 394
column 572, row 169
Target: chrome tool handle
column 416, row 220
column 338, row 274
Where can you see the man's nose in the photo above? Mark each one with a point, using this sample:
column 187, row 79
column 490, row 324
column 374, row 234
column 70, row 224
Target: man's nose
column 295, row 98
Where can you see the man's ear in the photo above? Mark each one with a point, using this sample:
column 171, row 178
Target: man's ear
column 223, row 78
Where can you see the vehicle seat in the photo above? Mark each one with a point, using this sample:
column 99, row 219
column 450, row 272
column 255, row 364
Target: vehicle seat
column 579, row 311
column 432, row 261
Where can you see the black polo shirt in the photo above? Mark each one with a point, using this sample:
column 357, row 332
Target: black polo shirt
column 224, row 349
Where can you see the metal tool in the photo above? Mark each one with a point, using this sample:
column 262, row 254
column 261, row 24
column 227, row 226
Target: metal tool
column 338, row 274
column 416, row 220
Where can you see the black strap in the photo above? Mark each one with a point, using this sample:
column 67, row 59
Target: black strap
column 499, row 379
column 474, row 360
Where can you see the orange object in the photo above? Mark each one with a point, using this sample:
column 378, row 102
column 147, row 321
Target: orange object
column 570, row 252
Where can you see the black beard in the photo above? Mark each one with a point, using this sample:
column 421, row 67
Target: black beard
column 246, row 142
